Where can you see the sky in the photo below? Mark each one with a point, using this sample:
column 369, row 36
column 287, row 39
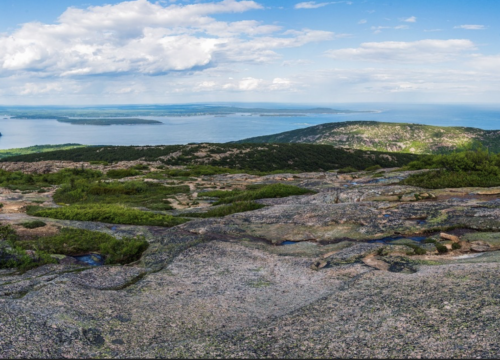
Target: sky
column 93, row 52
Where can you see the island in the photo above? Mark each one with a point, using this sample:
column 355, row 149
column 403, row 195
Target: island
column 109, row 121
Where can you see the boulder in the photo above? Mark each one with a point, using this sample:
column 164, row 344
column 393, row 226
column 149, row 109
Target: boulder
column 480, row 246
column 449, row 237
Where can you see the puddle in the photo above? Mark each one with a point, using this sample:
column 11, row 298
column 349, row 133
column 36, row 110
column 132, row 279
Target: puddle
column 91, row 259
column 389, row 239
column 288, row 242
column 387, row 215
column 421, row 222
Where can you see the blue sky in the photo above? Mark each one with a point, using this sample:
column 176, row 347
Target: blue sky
column 117, row 52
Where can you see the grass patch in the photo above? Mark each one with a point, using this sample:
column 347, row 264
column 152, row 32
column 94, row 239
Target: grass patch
column 108, row 213
column 260, row 192
column 224, row 210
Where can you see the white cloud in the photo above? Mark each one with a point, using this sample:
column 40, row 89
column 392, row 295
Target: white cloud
column 362, row 21
column 411, row 19
column 146, row 38
column 310, row 5
column 428, row 51
column 470, row 27
column 378, row 29
column 486, row 63
column 314, row 5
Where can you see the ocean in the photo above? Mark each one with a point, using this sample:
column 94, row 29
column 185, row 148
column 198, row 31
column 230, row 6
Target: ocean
column 183, row 130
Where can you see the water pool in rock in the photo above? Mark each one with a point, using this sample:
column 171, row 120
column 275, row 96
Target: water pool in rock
column 91, row 259
column 390, row 239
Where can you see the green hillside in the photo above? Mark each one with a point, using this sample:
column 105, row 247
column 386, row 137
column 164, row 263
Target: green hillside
column 392, row 137
column 256, row 157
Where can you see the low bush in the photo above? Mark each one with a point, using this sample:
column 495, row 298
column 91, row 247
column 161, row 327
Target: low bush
column 264, row 192
column 133, row 193
column 14, row 256
column 33, row 224
column 373, row 168
column 121, row 173
column 417, row 250
column 348, row 169
column 472, row 168
column 108, row 213
column 456, row 246
column 441, row 248
column 79, row 242
column 224, row 210
column 439, row 179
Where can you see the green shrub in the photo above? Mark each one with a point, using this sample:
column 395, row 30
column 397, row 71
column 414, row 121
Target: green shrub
column 108, row 213
column 33, row 224
column 441, row 248
column 348, row 169
column 439, row 179
column 96, row 162
column 14, row 256
column 1, row 205
column 221, row 211
column 133, row 193
column 373, row 168
column 140, row 167
column 430, row 241
column 79, row 241
column 456, row 246
column 417, row 250
column 260, row 192
column 122, row 173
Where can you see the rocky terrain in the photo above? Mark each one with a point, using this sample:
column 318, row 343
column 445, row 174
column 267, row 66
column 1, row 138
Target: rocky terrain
column 338, row 273
column 380, row 136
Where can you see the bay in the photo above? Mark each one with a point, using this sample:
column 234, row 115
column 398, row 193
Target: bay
column 182, row 130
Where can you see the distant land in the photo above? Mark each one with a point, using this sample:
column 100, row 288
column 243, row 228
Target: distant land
column 392, row 137
column 157, row 110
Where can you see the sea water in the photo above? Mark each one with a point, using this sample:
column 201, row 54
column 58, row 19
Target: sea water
column 209, row 128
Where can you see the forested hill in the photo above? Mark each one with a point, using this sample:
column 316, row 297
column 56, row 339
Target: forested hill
column 257, row 157
column 393, row 137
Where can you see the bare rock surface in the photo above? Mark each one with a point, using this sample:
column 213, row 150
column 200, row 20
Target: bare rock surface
column 344, row 285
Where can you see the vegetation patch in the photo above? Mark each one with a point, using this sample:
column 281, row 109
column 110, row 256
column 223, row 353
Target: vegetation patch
column 264, row 192
column 33, row 224
column 108, row 213
column 17, row 180
column 210, row 159
column 13, row 255
column 472, row 168
column 75, row 242
column 132, row 193
column 122, row 173
column 237, row 207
